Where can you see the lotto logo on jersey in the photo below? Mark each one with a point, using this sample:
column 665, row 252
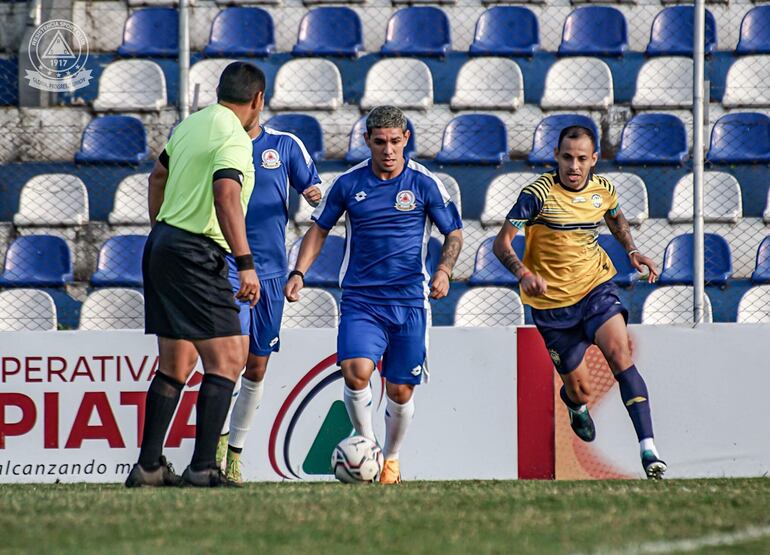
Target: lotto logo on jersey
column 270, row 159
column 405, row 201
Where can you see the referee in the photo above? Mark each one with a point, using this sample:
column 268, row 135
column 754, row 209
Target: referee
column 198, row 193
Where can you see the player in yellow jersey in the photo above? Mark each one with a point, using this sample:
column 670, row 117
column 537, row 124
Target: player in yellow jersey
column 566, row 277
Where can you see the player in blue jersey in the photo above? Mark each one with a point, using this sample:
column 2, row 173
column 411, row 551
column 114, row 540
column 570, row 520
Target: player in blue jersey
column 391, row 204
column 280, row 161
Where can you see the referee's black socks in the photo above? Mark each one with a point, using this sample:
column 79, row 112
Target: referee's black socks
column 214, row 398
column 162, row 399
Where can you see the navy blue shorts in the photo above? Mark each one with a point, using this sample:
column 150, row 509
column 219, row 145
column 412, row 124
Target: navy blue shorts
column 570, row 330
column 263, row 322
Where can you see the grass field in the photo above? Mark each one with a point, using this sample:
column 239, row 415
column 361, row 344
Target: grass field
column 418, row 517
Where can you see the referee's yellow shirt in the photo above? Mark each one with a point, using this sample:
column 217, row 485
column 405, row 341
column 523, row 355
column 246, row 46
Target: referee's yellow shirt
column 210, row 140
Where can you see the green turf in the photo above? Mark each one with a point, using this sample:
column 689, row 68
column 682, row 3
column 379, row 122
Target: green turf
column 419, row 517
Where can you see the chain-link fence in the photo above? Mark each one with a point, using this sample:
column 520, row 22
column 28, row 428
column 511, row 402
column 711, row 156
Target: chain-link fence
column 486, row 87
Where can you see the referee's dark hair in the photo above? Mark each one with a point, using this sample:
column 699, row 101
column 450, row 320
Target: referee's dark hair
column 575, row 132
column 240, row 82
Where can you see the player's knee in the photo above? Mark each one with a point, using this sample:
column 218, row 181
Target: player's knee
column 256, row 368
column 618, row 355
column 356, row 372
column 399, row 393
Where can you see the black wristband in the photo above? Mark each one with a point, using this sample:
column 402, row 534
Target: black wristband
column 297, row 273
column 244, row 262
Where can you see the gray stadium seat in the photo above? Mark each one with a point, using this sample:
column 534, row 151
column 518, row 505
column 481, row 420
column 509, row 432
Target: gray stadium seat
column 307, row 84
column 112, row 309
column 488, row 83
column 316, row 308
column 489, row 307
column 673, row 305
column 402, row 82
column 502, row 194
column 27, row 310
column 579, row 82
column 722, row 199
column 53, row 199
column 131, row 85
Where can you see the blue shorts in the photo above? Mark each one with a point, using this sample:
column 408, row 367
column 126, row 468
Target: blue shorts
column 397, row 334
column 570, row 330
column 263, row 322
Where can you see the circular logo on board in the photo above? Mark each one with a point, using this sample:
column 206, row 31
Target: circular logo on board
column 270, row 159
column 58, row 50
column 405, row 201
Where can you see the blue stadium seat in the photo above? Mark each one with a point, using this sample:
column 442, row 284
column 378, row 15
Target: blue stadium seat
column 488, row 270
column 113, row 140
column 330, row 31
column 627, row 274
column 120, row 262
column 325, row 271
column 239, row 31
column 303, row 126
column 37, row 261
column 743, row 137
column 506, row 31
column 357, row 149
column 547, row 135
column 474, row 139
column 761, row 273
column 417, row 31
column 678, row 259
column 672, row 32
column 754, row 36
column 594, row 31
column 654, row 139
column 9, row 81
column 434, row 254
column 151, row 32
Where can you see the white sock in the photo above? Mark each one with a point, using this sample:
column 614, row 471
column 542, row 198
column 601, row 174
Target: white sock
column 246, row 405
column 648, row 444
column 359, row 406
column 226, row 426
column 397, row 419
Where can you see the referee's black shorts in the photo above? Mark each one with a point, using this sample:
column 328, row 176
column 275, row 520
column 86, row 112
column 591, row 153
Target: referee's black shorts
column 186, row 291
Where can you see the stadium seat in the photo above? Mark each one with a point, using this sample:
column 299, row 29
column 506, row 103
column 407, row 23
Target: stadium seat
column 594, row 31
column 357, row 149
column 673, row 305
column 325, row 271
column 453, row 188
column 417, row 31
column 27, row 310
column 151, row 32
column 627, row 274
column 241, row 31
column 754, row 306
column 506, row 31
column 303, row 126
column 578, row 82
column 52, row 199
column 130, row 205
column 654, row 139
column 761, row 273
column 721, row 204
column 120, row 262
column 501, row 196
column 131, row 85
column 315, row 308
column 489, row 307
column 330, row 31
column 112, row 309
column 742, row 137
column 672, row 32
column 754, row 37
column 633, row 196
column 37, row 261
column 205, row 74
column 744, row 85
column 401, row 82
column 474, row 139
column 678, row 260
column 664, row 82
column 113, row 140
column 307, row 84
column 488, row 270
column 547, row 135
column 488, row 84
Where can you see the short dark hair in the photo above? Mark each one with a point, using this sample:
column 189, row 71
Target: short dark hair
column 385, row 117
column 575, row 132
column 240, row 82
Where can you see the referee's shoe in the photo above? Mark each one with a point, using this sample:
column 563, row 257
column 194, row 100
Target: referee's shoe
column 207, row 478
column 160, row 477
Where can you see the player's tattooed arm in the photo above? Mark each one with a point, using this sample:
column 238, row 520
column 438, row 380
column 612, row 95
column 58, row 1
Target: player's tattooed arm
column 531, row 283
column 621, row 230
column 453, row 243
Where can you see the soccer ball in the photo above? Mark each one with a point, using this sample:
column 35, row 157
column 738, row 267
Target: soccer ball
column 357, row 459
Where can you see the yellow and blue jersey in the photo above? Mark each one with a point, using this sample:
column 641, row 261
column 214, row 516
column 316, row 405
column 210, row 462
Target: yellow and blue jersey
column 561, row 230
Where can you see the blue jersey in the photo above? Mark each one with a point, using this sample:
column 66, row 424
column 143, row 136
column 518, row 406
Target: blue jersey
column 388, row 228
column 280, row 161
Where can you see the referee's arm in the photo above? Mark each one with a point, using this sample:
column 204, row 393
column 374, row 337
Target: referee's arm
column 156, row 185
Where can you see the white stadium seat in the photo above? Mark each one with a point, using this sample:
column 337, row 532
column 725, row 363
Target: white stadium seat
column 664, row 83
column 307, row 84
column 489, row 84
column 489, row 307
column 131, row 85
column 453, row 188
column 754, row 307
column 580, row 82
column 502, row 194
column 112, row 309
column 316, row 308
column 53, row 199
column 632, row 193
column 673, row 305
column 402, row 82
column 130, row 206
column 205, row 74
column 27, row 309
column 746, row 82
column 722, row 199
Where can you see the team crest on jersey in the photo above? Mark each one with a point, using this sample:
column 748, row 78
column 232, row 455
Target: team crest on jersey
column 270, row 159
column 596, row 200
column 405, row 201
